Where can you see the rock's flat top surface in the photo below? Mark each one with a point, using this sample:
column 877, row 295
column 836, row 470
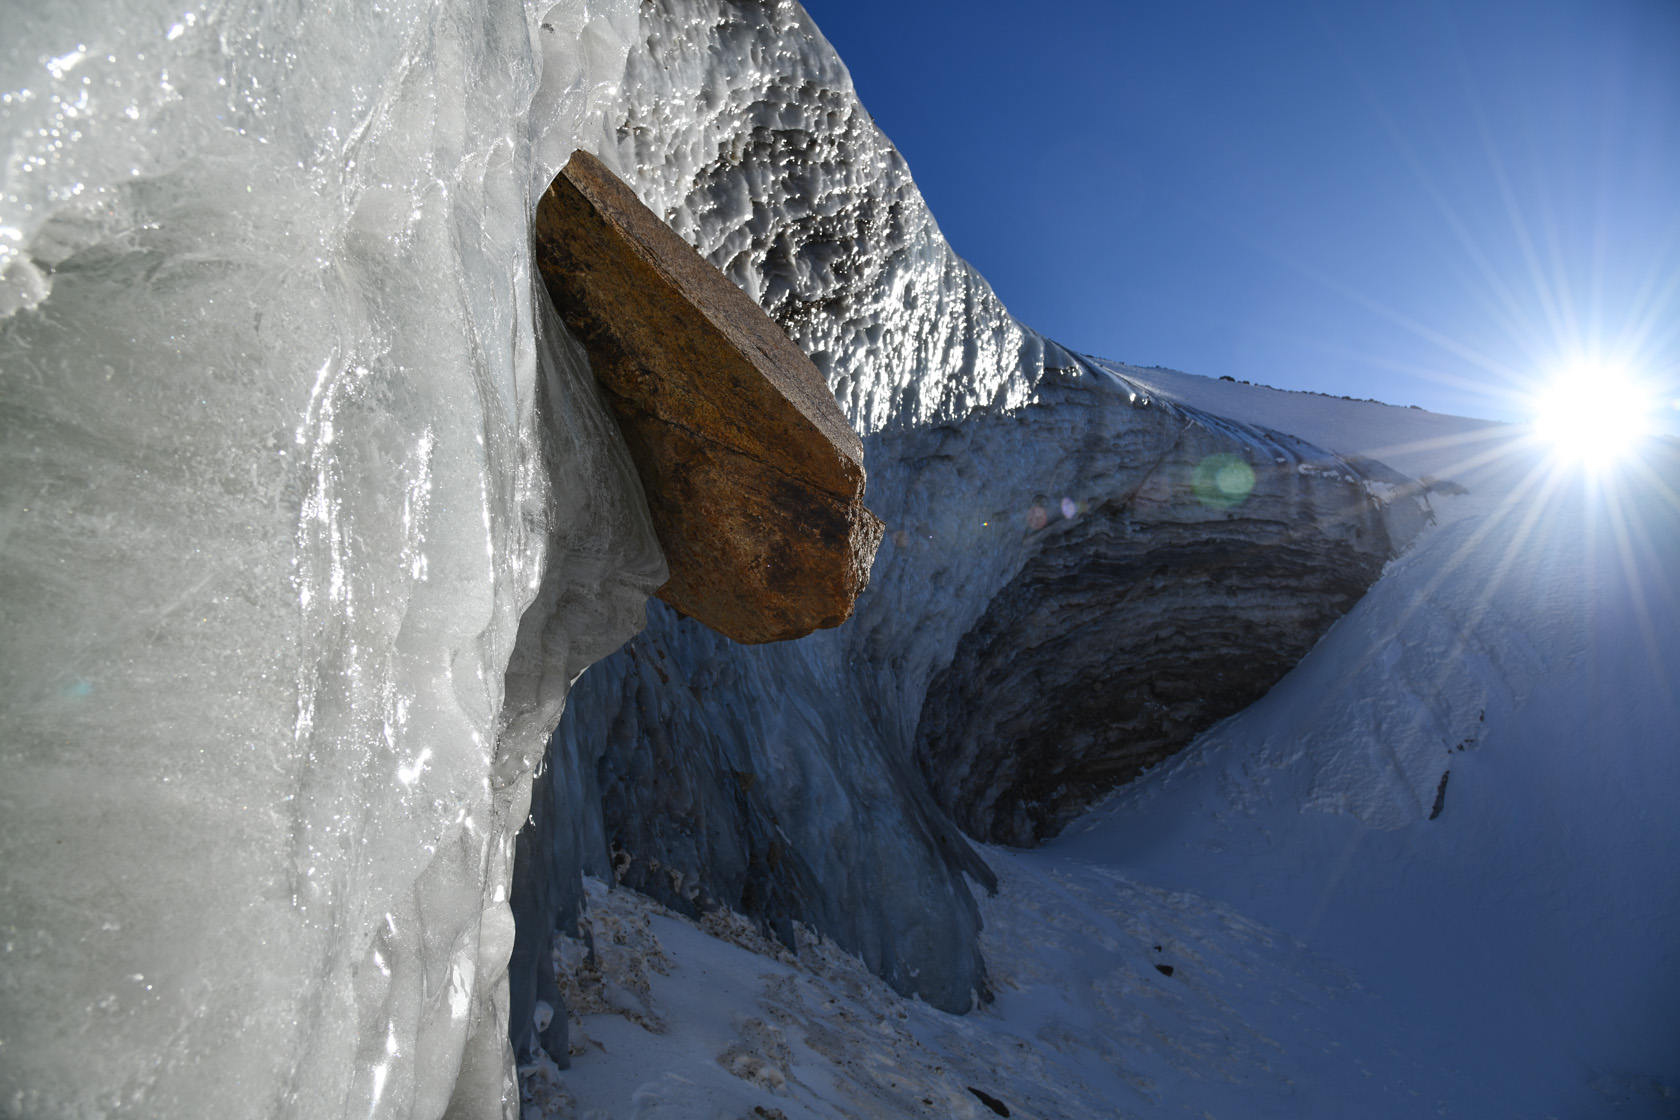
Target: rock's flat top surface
column 753, row 476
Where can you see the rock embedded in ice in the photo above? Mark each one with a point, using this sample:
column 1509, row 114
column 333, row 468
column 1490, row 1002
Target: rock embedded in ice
column 753, row 476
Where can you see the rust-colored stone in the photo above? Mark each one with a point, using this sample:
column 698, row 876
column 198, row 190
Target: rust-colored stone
column 754, row 478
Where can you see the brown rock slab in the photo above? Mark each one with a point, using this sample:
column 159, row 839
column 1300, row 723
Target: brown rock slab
column 753, row 476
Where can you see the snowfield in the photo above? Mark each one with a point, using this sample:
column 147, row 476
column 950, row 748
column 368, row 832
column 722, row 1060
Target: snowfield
column 1434, row 872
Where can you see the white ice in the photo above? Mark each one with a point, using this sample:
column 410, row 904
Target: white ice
column 274, row 498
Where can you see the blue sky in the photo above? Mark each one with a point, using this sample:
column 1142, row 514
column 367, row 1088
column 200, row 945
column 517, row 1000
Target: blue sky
column 1426, row 203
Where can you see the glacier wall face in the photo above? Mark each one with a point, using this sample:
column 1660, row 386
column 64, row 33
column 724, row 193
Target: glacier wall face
column 741, row 128
column 1155, row 603
column 815, row 780
column 753, row 781
column 310, row 514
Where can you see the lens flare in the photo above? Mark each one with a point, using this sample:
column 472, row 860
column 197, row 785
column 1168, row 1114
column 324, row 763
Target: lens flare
column 1222, row 481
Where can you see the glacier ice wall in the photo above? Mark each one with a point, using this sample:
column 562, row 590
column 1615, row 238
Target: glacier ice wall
column 1191, row 562
column 789, row 781
column 742, row 129
column 308, row 515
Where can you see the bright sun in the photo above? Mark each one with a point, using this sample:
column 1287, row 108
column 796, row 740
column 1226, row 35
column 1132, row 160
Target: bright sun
column 1592, row 416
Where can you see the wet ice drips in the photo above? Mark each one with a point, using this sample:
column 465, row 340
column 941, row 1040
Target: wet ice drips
column 280, row 436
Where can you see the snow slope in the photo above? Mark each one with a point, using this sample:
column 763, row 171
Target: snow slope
column 1528, row 906
column 1346, row 935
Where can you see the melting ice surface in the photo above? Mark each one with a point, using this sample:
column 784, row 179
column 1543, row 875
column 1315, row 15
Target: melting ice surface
column 281, row 426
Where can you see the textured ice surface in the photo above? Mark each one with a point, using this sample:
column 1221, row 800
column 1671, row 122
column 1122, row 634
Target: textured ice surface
column 285, row 460
column 308, row 515
column 743, row 131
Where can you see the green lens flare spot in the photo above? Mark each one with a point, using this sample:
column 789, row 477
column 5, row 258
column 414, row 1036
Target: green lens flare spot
column 1222, row 481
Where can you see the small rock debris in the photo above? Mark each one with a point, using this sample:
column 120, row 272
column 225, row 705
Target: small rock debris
column 990, row 1101
column 1164, row 969
column 1440, row 795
